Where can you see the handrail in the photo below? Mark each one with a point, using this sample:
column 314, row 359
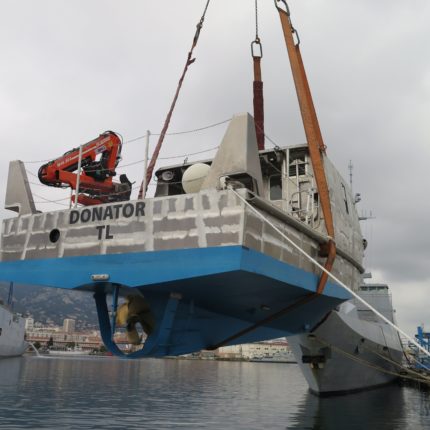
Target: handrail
column 320, row 238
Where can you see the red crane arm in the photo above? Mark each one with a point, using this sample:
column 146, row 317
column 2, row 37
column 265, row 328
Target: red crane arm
column 99, row 160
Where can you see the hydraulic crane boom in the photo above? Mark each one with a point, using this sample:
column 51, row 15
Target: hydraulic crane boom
column 99, row 160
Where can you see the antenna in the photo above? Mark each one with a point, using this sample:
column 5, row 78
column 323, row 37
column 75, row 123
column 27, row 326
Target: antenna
column 357, row 196
column 365, row 216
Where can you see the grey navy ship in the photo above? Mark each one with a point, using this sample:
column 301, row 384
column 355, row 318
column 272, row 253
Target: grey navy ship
column 12, row 332
column 351, row 349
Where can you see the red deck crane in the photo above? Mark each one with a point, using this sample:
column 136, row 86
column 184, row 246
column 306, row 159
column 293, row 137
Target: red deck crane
column 98, row 162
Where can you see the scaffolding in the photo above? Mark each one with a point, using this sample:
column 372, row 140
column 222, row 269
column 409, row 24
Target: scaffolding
column 422, row 361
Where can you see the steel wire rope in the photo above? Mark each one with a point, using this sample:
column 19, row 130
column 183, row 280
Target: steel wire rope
column 41, row 185
column 142, row 160
column 179, row 182
column 189, row 61
column 45, row 200
column 56, row 201
column 157, row 181
column 329, row 274
column 176, row 133
column 275, row 145
column 31, row 173
column 256, row 21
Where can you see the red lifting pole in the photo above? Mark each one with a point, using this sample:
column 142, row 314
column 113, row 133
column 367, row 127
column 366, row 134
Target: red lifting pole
column 257, row 55
column 190, row 60
column 313, row 134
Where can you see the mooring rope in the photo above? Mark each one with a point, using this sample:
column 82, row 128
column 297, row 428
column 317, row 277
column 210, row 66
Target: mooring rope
column 420, row 378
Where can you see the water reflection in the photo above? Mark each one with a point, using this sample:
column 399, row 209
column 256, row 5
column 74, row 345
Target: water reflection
column 388, row 408
column 149, row 394
column 10, row 370
column 55, row 393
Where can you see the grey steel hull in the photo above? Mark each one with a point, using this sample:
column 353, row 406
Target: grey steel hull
column 12, row 343
column 346, row 354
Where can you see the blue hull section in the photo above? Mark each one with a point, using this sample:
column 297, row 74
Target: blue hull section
column 216, row 292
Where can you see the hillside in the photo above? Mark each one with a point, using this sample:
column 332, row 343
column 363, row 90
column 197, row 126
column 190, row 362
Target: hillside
column 53, row 305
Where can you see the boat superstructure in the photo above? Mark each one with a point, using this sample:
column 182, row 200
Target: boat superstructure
column 221, row 254
column 204, row 258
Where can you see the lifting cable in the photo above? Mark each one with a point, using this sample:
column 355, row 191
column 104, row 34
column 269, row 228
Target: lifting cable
column 190, row 60
column 258, row 100
column 313, row 134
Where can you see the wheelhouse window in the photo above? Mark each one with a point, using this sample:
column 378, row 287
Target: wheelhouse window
column 275, row 184
column 298, row 164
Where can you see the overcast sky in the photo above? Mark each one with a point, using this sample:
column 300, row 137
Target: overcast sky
column 70, row 70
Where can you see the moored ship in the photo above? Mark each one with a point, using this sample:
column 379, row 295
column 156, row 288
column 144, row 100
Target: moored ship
column 68, row 352
column 12, row 332
column 352, row 349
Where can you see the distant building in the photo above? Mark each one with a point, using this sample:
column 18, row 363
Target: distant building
column 249, row 351
column 264, row 349
column 29, row 324
column 87, row 340
column 69, row 326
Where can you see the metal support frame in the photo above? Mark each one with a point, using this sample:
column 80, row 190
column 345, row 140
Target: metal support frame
column 423, row 338
column 78, row 179
column 10, row 296
column 300, row 302
column 114, row 309
column 157, row 344
column 145, row 164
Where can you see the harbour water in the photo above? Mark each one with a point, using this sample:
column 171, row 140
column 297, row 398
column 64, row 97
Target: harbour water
column 107, row 393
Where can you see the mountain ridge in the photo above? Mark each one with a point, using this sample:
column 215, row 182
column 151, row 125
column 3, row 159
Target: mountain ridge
column 53, row 305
